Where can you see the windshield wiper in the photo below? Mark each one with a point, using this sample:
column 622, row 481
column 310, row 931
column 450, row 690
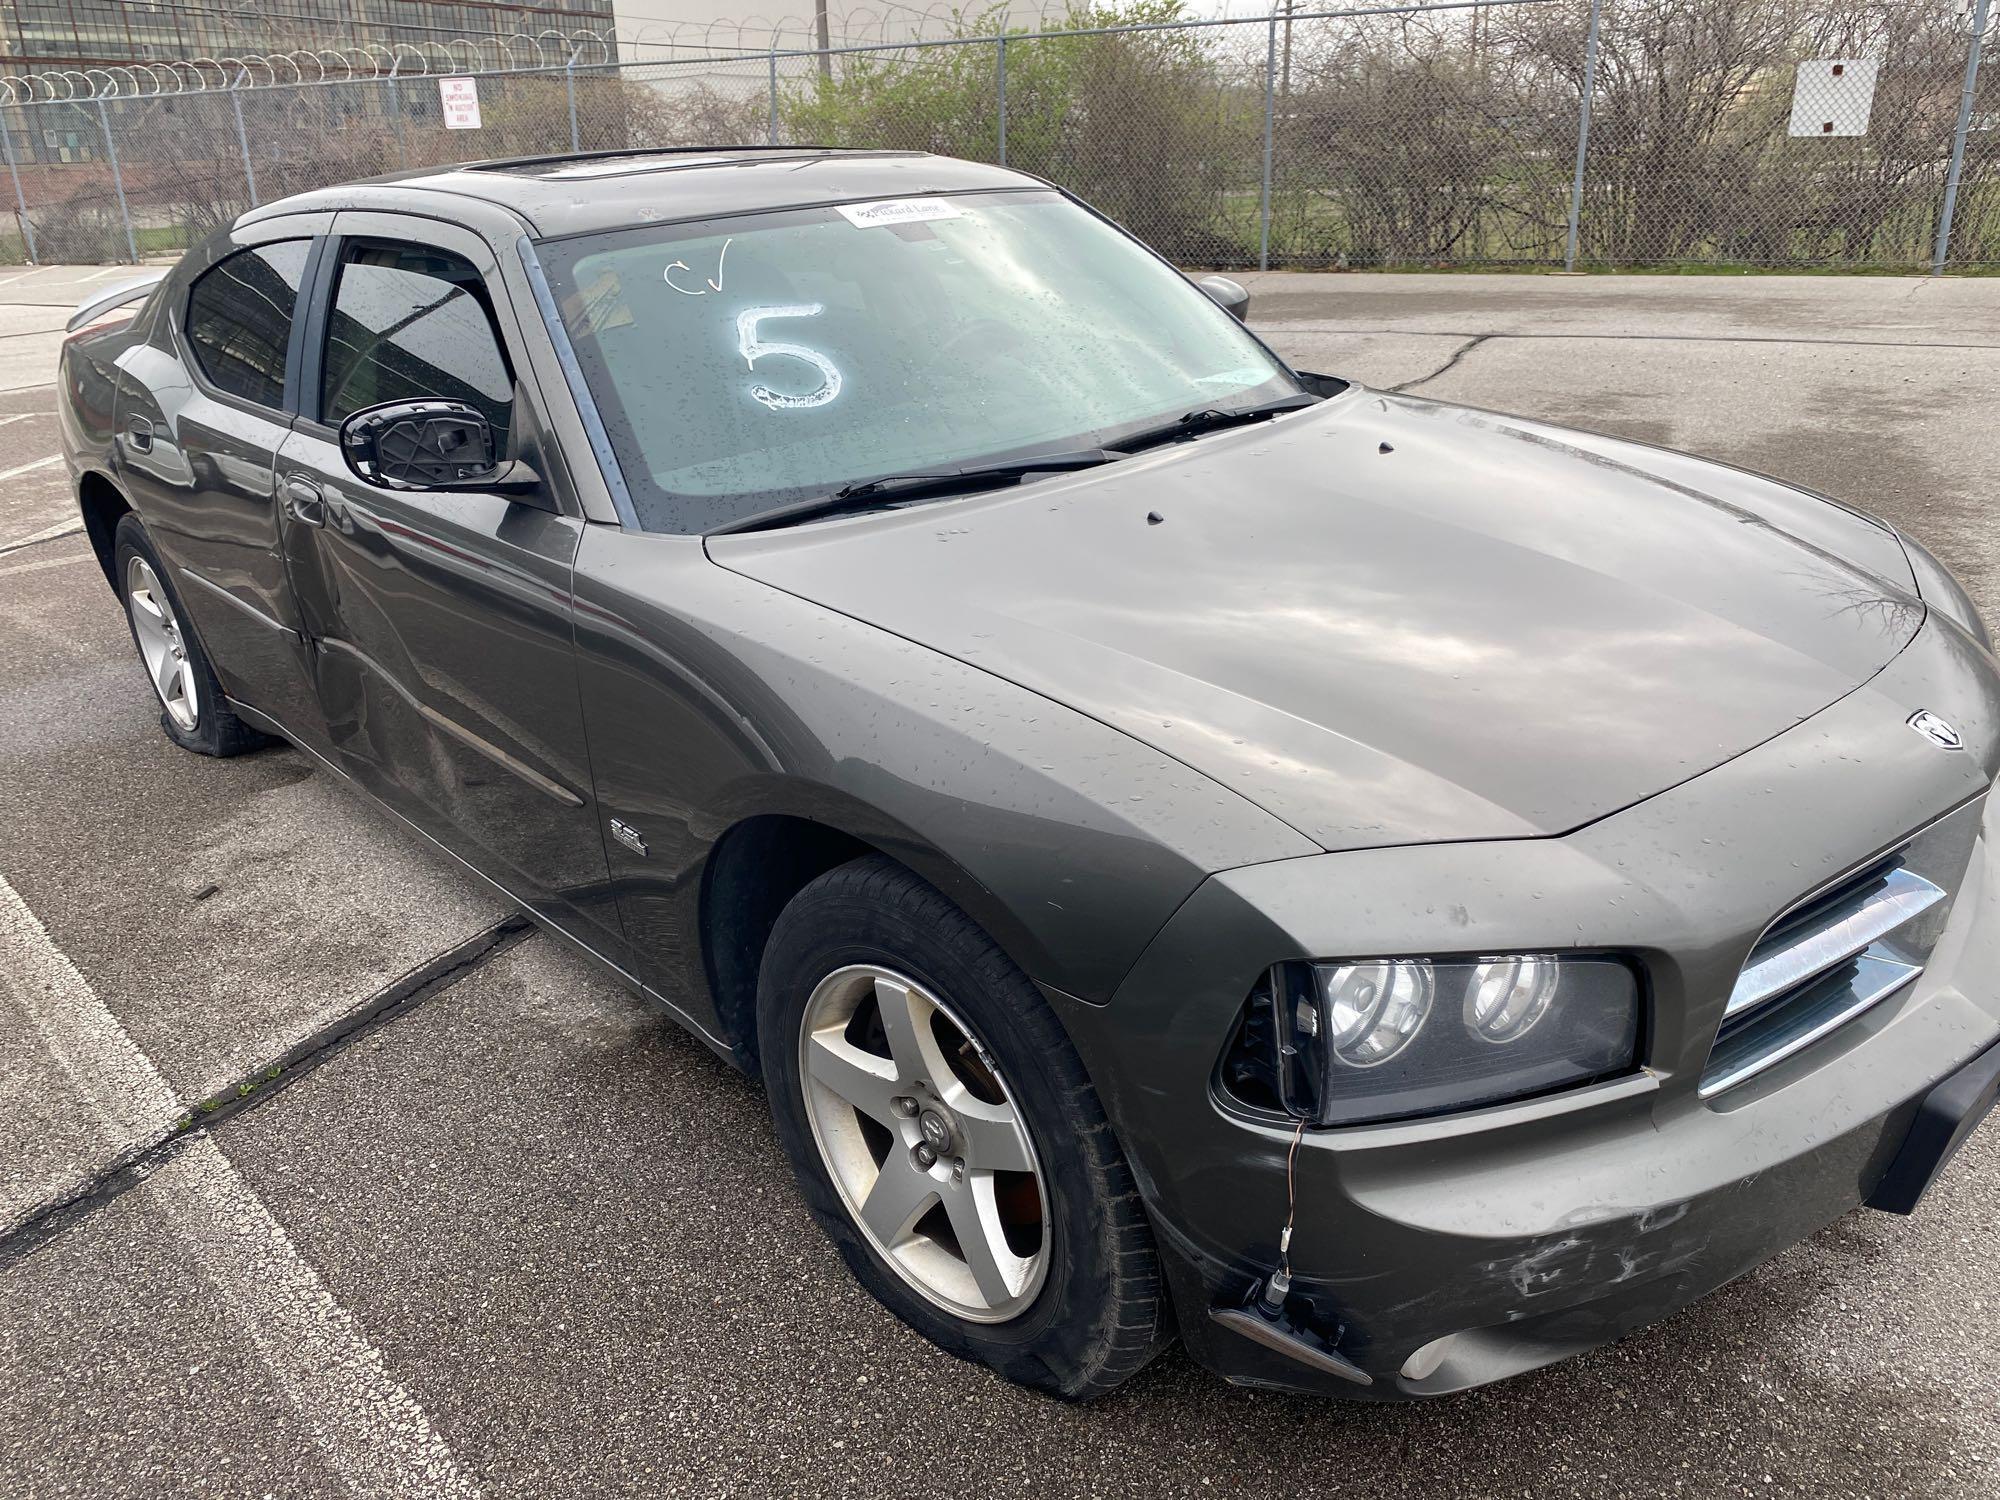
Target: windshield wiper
column 1211, row 419
column 887, row 489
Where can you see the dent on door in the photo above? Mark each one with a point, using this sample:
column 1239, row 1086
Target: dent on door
column 443, row 653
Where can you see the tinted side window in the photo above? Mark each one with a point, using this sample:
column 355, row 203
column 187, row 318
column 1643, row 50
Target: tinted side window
column 239, row 319
column 409, row 324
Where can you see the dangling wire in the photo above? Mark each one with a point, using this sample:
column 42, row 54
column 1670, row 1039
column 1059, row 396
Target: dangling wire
column 1291, row 1203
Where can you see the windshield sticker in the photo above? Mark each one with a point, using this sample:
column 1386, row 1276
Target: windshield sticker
column 709, row 284
column 753, row 348
column 601, row 305
column 896, row 211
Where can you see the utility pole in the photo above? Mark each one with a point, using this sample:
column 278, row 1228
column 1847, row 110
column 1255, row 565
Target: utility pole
column 825, row 55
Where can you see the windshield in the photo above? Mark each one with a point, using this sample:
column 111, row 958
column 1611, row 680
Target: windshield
column 749, row 362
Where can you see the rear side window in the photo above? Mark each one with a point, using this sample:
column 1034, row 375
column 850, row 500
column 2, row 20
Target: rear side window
column 239, row 319
column 411, row 323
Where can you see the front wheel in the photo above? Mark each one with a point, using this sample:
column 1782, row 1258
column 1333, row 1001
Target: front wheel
column 947, row 1139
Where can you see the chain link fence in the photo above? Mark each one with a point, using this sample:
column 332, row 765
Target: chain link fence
column 1676, row 134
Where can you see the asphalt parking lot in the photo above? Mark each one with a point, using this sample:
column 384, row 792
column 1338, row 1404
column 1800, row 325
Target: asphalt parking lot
column 523, row 1237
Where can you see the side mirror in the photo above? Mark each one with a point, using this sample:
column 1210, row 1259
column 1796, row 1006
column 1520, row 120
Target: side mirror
column 429, row 445
column 1227, row 295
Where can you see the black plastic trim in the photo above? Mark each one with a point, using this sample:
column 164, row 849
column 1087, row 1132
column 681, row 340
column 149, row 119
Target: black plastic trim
column 1949, row 1114
column 309, row 332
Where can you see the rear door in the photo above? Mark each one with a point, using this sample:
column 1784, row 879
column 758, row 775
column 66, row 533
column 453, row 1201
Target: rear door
column 201, row 412
column 440, row 622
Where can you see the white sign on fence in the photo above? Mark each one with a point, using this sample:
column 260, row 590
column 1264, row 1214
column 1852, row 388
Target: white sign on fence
column 461, row 103
column 1834, row 97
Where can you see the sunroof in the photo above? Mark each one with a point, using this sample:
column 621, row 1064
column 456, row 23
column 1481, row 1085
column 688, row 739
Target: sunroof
column 618, row 165
column 664, row 159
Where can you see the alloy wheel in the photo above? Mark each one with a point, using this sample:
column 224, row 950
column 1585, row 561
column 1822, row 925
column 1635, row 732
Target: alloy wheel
column 161, row 647
column 924, row 1143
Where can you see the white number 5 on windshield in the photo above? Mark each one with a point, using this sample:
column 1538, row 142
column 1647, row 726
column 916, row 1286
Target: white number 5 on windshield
column 753, row 347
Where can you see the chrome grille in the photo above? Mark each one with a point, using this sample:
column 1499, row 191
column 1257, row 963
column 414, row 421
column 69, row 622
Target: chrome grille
column 1841, row 952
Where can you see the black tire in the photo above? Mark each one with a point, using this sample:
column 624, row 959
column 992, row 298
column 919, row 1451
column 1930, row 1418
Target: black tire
column 216, row 729
column 1101, row 1311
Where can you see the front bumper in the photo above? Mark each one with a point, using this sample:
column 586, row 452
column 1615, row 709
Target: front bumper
column 1530, row 1231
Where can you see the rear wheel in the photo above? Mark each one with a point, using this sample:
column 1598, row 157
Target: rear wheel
column 947, row 1138
column 193, row 712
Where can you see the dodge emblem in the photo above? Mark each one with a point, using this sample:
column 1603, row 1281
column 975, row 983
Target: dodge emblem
column 1934, row 729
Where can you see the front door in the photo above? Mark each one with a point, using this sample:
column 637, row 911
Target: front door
column 440, row 621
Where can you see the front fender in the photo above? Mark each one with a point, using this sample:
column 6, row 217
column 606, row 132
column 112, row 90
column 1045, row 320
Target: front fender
column 711, row 698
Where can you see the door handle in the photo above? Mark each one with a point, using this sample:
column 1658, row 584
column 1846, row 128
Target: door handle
column 305, row 500
column 139, row 433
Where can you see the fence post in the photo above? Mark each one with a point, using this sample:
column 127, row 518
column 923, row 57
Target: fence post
column 1270, row 133
column 396, row 112
column 1000, row 89
column 1965, row 98
column 569, row 83
column 243, row 141
column 771, row 131
column 1582, row 135
column 14, row 171
column 118, row 180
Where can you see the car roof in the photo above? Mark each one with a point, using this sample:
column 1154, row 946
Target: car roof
column 578, row 192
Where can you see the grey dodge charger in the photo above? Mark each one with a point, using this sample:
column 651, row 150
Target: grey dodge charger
column 1390, row 893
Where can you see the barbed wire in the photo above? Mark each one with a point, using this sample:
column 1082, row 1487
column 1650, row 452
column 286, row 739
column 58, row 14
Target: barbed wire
column 518, row 51
column 887, row 23
column 884, row 23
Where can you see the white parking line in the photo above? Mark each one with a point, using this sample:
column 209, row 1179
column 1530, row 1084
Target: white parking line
column 40, row 463
column 8, row 570
column 370, row 1428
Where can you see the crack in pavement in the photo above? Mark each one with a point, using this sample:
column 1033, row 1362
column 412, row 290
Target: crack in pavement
column 133, row 1165
column 53, row 533
column 1456, row 355
column 369, row 1428
column 1336, row 329
column 1474, row 340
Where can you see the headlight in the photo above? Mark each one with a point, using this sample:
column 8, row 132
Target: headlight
column 1383, row 1039
column 1372, row 1011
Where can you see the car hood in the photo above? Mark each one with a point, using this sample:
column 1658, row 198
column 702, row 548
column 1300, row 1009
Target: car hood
column 1388, row 620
